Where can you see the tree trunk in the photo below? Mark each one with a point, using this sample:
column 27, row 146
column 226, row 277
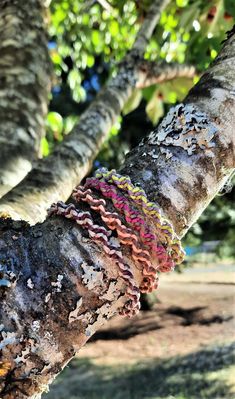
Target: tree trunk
column 58, row 286
column 25, row 85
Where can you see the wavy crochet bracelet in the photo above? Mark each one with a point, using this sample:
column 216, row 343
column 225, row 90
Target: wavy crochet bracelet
column 138, row 224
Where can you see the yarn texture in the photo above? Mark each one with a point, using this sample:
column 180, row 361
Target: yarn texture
column 138, row 225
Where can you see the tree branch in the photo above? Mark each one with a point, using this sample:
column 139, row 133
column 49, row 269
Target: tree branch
column 152, row 72
column 149, row 24
column 54, row 177
column 185, row 162
column 105, row 4
column 25, row 85
column 59, row 285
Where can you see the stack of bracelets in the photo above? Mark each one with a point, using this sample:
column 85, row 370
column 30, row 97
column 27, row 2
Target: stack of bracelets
column 138, row 224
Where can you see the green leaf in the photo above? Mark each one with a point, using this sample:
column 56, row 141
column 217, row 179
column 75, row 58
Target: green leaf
column 55, row 122
column 74, row 78
column 90, row 60
column 114, row 28
column 133, row 101
column 69, row 123
column 155, row 108
column 45, row 150
column 95, row 37
column 229, row 7
column 181, row 3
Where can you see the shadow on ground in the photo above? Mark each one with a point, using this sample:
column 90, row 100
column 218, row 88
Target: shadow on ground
column 152, row 320
column 192, row 316
column 127, row 331
column 199, row 375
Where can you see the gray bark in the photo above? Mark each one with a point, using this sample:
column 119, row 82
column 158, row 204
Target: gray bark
column 152, row 72
column 58, row 286
column 49, row 311
column 54, row 177
column 24, row 88
column 183, row 169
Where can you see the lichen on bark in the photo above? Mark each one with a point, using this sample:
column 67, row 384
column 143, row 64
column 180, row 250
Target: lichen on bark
column 45, row 320
column 57, row 286
column 25, row 73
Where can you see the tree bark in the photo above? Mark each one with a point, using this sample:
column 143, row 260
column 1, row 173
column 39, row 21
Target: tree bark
column 58, row 286
column 25, row 85
column 49, row 311
column 152, row 72
column 55, row 176
column 185, row 162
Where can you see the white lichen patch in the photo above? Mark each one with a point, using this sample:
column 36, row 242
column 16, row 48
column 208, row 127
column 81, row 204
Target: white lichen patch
column 91, row 277
column 45, row 347
column 112, row 292
column 36, row 325
column 74, row 314
column 166, row 152
column 8, row 338
column 57, row 284
column 86, row 317
column 153, row 154
column 50, row 351
column 30, row 284
column 25, row 353
column 7, row 277
column 12, row 275
column 23, row 356
column 185, row 126
column 47, row 297
column 103, row 314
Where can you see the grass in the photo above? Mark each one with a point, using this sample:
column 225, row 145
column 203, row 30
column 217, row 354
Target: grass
column 205, row 374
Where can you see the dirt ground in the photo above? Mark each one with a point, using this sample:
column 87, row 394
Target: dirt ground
column 182, row 349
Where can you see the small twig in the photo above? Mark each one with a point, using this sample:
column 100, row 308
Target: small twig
column 149, row 24
column 105, row 5
column 87, row 6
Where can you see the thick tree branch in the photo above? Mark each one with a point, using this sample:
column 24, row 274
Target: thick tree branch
column 151, row 73
column 25, row 84
column 54, row 307
column 55, row 176
column 59, row 286
column 183, row 167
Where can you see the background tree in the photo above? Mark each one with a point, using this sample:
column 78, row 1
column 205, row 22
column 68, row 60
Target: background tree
column 56, row 286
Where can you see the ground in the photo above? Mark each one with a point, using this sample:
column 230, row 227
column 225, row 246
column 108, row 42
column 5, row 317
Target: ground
column 182, row 349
